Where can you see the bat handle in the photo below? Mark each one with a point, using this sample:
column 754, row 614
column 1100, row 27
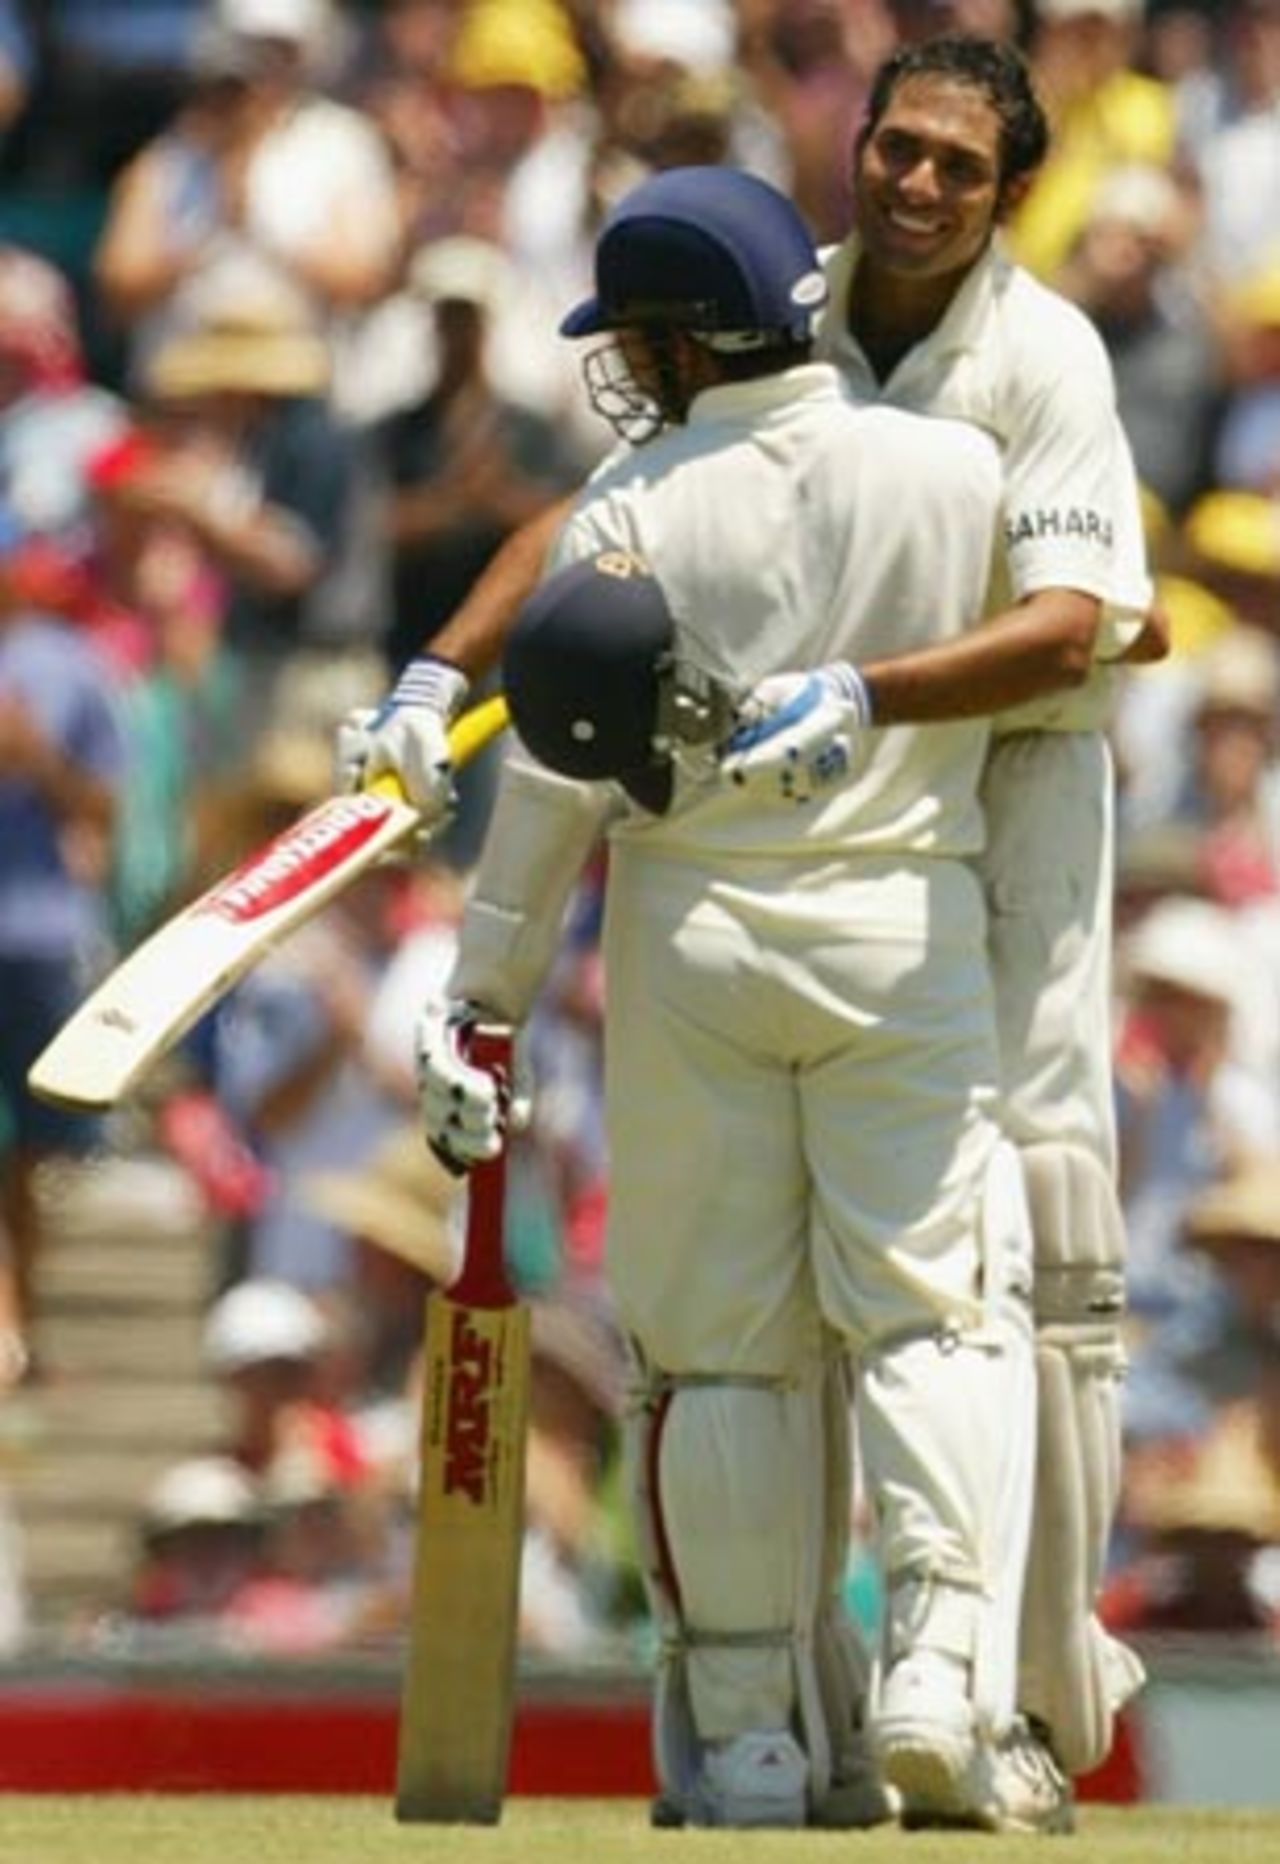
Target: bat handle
column 467, row 735
column 484, row 1281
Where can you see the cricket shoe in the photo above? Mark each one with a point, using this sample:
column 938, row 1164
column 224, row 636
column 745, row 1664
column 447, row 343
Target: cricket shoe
column 757, row 1779
column 924, row 1734
column 1030, row 1790
column 856, row 1800
column 1016, row 1786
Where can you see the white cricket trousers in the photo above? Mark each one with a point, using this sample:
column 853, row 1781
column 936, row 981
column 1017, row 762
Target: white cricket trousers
column 800, row 1069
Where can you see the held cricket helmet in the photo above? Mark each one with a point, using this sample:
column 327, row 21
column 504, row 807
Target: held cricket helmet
column 594, row 684
column 711, row 250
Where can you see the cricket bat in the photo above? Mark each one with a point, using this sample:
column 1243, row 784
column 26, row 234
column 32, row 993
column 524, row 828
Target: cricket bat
column 458, row 1699
column 162, row 988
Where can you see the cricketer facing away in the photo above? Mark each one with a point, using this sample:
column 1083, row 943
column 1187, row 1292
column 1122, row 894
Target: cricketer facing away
column 926, row 311
column 801, row 1059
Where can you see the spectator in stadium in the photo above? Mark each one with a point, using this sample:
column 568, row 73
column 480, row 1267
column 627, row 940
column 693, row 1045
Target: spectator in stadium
column 52, row 418
column 465, row 467
column 1237, row 162
column 578, row 1580
column 61, row 763
column 292, row 1063
column 1231, row 783
column 265, row 1342
column 1105, row 113
column 1246, row 454
column 515, row 70
column 810, row 65
column 200, row 1539
column 1128, row 270
column 259, row 180
column 1202, row 1507
column 1235, row 1222
column 1192, row 1106
column 153, row 600
column 279, row 494
column 399, row 1209
column 1202, row 1517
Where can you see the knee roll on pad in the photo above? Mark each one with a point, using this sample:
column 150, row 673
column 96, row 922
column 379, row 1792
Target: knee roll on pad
column 1078, row 1236
column 1072, row 1675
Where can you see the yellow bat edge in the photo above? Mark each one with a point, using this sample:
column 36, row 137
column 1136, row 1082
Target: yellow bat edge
column 458, row 1700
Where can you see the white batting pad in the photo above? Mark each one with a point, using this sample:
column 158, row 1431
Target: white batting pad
column 733, row 1527
column 1073, row 1675
column 946, row 1423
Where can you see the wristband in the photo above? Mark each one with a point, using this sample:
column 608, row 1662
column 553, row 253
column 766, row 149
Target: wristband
column 852, row 688
column 430, row 681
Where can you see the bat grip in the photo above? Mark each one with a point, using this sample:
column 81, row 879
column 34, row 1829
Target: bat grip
column 484, row 1281
column 468, row 735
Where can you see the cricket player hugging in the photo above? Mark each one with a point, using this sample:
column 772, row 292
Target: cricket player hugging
column 801, row 1055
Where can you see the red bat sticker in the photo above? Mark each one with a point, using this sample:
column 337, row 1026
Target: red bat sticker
column 296, row 860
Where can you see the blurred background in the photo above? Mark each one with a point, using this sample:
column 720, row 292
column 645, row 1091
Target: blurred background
column 279, row 282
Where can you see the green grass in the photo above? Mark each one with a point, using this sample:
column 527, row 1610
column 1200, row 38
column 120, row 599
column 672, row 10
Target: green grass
column 213, row 1829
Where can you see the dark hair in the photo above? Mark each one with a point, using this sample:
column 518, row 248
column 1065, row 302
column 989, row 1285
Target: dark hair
column 991, row 66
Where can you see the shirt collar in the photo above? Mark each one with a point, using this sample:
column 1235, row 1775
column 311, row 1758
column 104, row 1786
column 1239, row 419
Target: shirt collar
column 762, row 394
column 966, row 317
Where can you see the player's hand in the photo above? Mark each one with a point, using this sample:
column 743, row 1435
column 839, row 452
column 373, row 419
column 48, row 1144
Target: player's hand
column 798, row 732
column 407, row 736
column 467, row 1110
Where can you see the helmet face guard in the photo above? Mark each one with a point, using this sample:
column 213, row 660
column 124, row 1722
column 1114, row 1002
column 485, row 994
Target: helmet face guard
column 635, row 413
column 598, row 689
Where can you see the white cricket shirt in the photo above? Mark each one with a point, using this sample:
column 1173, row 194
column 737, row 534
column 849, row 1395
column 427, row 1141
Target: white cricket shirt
column 1028, row 368
column 788, row 527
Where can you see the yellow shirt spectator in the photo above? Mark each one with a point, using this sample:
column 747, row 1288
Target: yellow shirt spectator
column 1103, row 114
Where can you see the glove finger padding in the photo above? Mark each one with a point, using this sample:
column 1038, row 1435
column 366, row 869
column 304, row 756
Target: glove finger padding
column 412, row 743
column 467, row 1110
column 798, row 733
column 351, row 748
column 408, row 737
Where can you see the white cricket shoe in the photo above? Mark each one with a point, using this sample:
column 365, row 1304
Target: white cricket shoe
column 1029, row 1790
column 924, row 1733
column 1016, row 1786
column 856, row 1800
column 757, row 1779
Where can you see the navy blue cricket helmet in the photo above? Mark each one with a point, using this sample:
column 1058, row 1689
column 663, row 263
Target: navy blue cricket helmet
column 583, row 671
column 711, row 250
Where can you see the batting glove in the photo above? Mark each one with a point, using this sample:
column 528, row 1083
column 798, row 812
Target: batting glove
column 798, row 732
column 468, row 1111
column 407, row 736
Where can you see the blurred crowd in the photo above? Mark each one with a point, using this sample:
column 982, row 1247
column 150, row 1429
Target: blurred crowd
column 279, row 282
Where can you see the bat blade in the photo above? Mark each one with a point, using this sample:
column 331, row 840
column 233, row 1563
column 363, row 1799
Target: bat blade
column 459, row 1693
column 162, row 988
column 458, row 1699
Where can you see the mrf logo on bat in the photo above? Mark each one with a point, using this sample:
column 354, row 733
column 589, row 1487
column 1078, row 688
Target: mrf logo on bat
column 465, row 1387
